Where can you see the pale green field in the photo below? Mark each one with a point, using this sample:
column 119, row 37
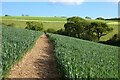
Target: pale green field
column 54, row 22
column 115, row 27
column 50, row 24
column 34, row 18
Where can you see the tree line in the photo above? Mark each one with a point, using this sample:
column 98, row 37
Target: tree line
column 79, row 28
column 85, row 29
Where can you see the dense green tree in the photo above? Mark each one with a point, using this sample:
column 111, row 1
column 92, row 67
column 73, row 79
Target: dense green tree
column 74, row 26
column 80, row 28
column 74, row 19
column 70, row 29
column 61, row 32
column 100, row 18
column 51, row 30
column 34, row 26
column 87, row 17
column 7, row 15
column 100, row 29
column 88, row 32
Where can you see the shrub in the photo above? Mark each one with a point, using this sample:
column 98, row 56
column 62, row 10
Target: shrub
column 11, row 25
column 50, row 30
column 61, row 32
column 34, row 26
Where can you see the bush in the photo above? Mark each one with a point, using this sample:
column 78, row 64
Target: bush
column 11, row 25
column 115, row 40
column 61, row 32
column 34, row 26
column 100, row 18
column 50, row 30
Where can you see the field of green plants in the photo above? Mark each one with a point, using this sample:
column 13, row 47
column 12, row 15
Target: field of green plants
column 55, row 23
column 84, row 59
column 76, row 58
column 15, row 43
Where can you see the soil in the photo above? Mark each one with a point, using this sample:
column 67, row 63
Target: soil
column 39, row 62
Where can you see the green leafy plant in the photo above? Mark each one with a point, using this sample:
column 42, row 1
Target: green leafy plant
column 15, row 43
column 84, row 59
column 34, row 26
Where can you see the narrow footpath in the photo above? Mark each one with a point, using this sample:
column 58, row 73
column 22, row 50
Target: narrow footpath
column 39, row 62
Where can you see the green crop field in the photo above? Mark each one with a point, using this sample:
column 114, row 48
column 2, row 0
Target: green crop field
column 34, row 18
column 84, row 59
column 15, row 43
column 77, row 58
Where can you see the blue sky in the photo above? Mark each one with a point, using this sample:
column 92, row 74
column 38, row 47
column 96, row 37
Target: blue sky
column 92, row 9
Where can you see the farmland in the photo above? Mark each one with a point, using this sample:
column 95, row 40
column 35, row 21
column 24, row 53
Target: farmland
column 54, row 22
column 115, row 27
column 79, row 59
column 76, row 58
column 34, row 18
column 15, row 43
column 22, row 24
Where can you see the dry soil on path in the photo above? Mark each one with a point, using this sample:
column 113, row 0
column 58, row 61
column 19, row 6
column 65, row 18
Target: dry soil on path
column 39, row 62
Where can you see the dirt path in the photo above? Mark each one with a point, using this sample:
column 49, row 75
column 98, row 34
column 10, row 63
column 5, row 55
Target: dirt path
column 37, row 63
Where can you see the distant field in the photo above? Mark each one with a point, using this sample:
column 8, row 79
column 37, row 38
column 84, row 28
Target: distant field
column 54, row 22
column 35, row 18
column 22, row 24
column 115, row 27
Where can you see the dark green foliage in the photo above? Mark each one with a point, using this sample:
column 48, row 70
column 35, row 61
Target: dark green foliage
column 61, row 32
column 11, row 25
column 100, row 18
column 50, row 30
column 74, row 19
column 74, row 26
column 80, row 28
column 34, row 26
column 100, row 29
column 15, row 42
column 115, row 40
column 70, row 29
column 87, row 17
column 84, row 59
column 7, row 15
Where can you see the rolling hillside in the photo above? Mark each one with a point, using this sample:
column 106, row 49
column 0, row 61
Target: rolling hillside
column 76, row 58
column 55, row 23
column 84, row 59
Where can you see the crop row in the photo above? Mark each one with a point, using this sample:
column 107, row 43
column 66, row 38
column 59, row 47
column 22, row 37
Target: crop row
column 15, row 42
column 84, row 59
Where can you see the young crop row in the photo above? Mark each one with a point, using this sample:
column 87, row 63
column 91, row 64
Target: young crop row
column 84, row 59
column 15, row 42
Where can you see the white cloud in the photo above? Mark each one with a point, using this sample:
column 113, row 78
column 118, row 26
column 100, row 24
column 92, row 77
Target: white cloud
column 77, row 2
column 102, row 0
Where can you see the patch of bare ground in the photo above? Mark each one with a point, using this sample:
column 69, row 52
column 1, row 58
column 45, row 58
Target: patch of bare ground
column 39, row 62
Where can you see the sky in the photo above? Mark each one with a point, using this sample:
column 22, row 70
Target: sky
column 91, row 9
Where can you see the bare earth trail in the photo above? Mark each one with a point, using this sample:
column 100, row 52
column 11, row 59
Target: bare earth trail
column 39, row 62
